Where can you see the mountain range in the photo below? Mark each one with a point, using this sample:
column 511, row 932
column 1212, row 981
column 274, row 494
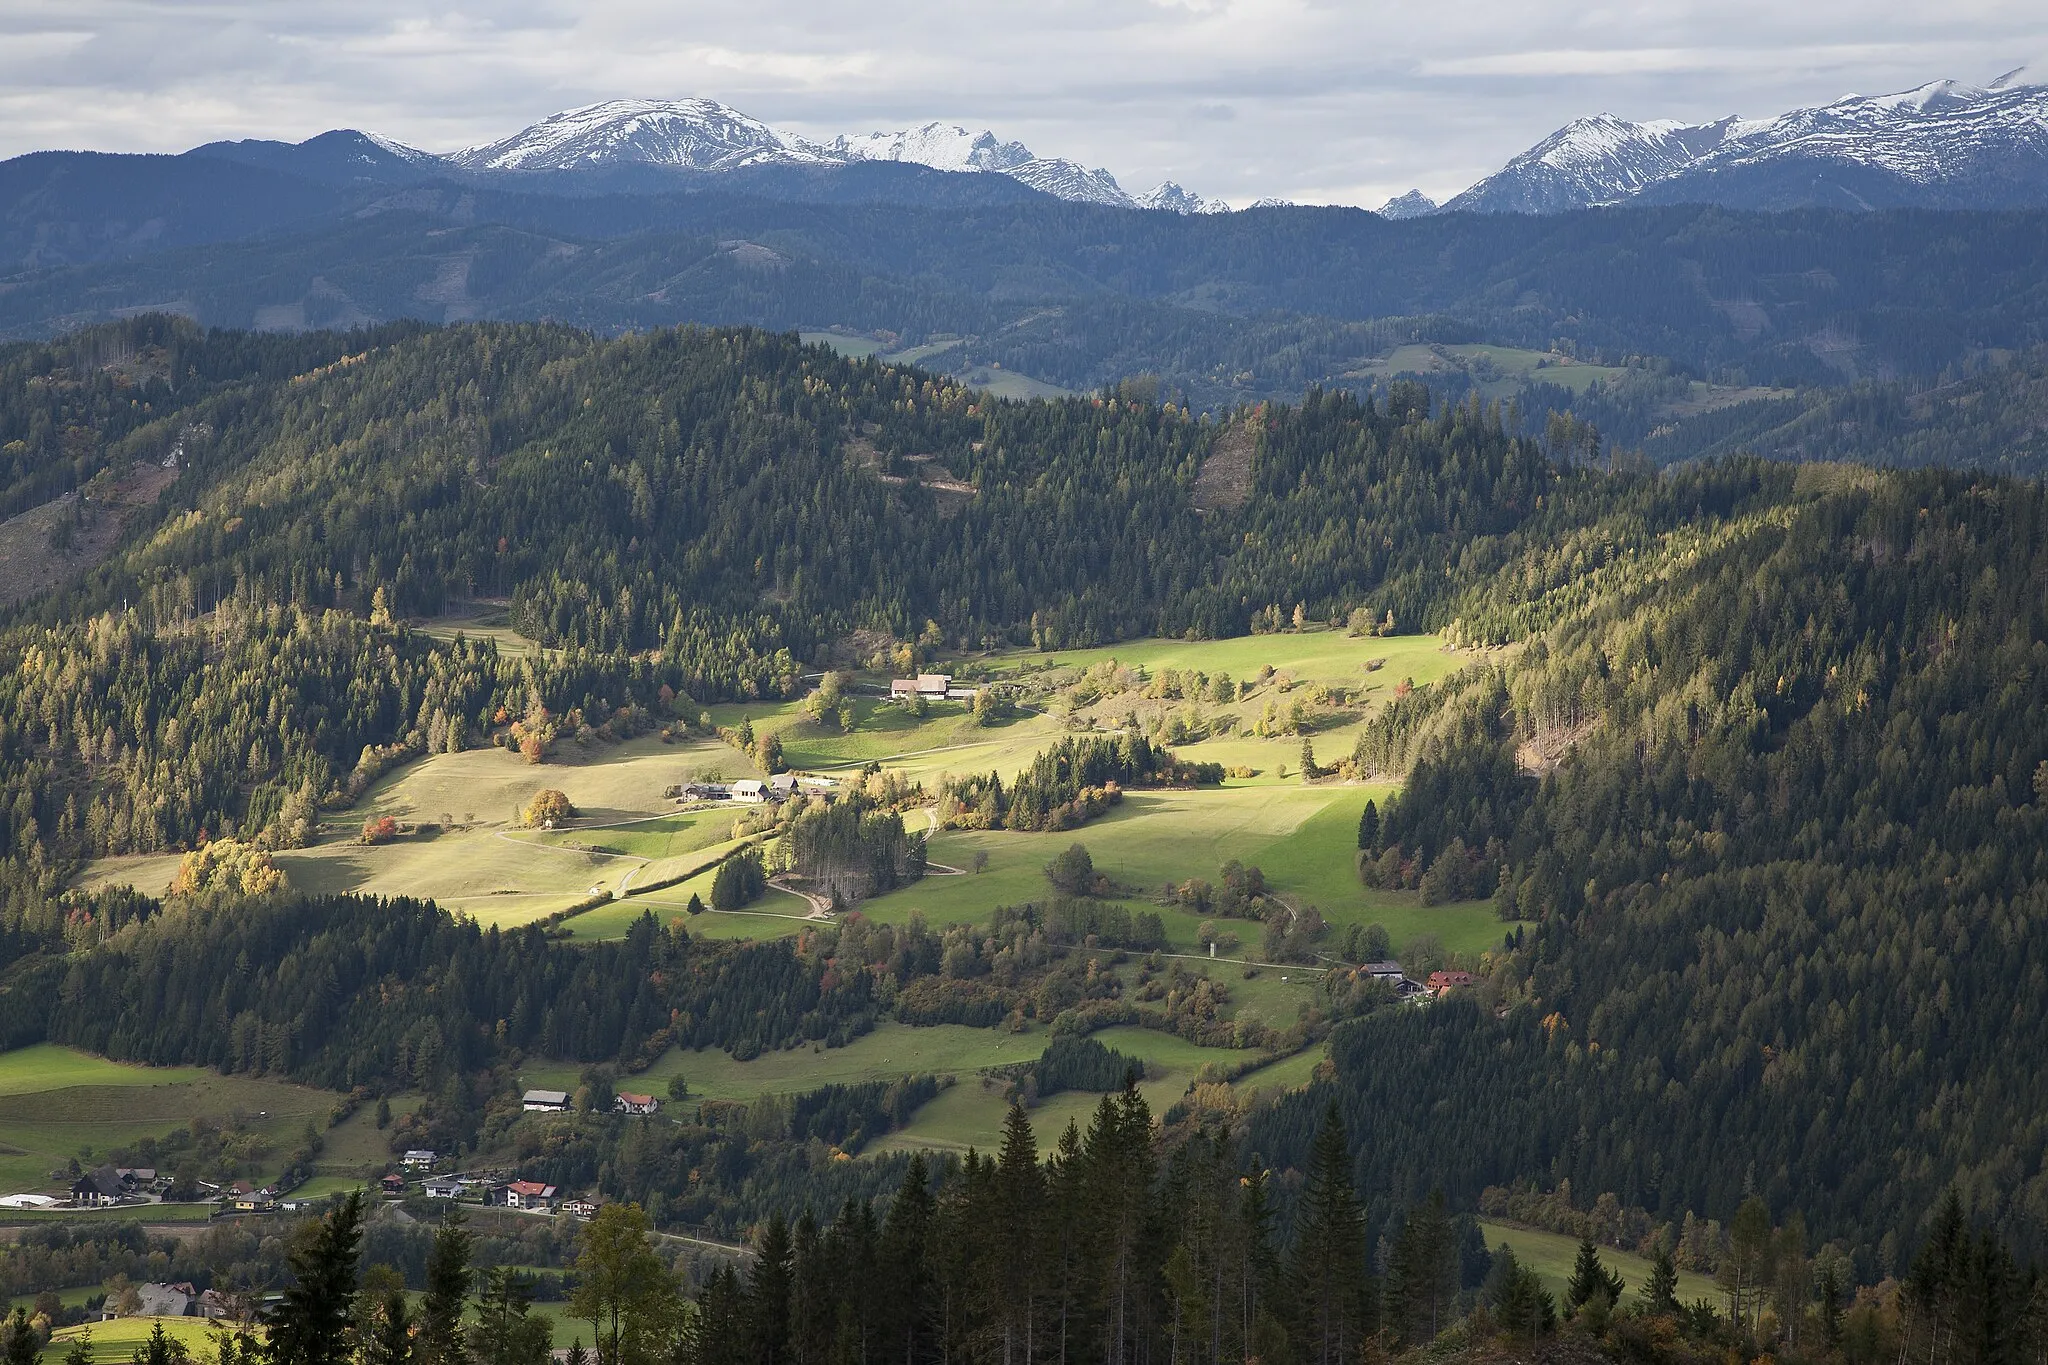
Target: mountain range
column 670, row 138
column 1942, row 145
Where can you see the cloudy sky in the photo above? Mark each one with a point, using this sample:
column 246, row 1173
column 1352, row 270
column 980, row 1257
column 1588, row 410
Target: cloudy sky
column 1342, row 101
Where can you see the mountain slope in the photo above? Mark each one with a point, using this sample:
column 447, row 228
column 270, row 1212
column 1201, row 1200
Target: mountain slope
column 693, row 134
column 1941, row 145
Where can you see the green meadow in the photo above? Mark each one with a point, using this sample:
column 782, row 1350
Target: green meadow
column 1551, row 1255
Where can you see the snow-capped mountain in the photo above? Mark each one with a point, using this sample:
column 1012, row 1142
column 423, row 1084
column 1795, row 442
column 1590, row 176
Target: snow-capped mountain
column 1171, row 197
column 1944, row 144
column 704, row 135
column 1414, row 204
column 694, row 135
column 942, row 146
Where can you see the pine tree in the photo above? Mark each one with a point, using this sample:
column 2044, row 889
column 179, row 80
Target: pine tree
column 505, row 1331
column 1423, row 1271
column 1369, row 828
column 1329, row 1255
column 310, row 1325
column 18, row 1343
column 1012, row 1273
column 1590, row 1279
column 905, row 1273
column 439, row 1340
column 768, row 1296
column 1659, row 1293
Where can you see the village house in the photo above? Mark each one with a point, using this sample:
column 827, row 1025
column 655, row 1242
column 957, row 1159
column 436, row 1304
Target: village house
column 751, row 789
column 545, row 1101
column 442, row 1187
column 393, row 1185
column 782, row 786
column 98, row 1188
column 1440, row 982
column 157, row 1301
column 418, row 1158
column 531, row 1195
column 628, row 1103
column 580, row 1209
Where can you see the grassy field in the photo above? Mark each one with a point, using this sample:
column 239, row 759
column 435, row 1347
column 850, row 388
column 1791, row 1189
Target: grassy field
column 61, row 1104
column 1551, row 1255
column 118, row 1340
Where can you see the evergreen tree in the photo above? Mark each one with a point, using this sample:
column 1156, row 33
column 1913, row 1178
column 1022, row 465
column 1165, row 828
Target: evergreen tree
column 1369, row 827
column 18, row 1342
column 439, row 1339
column 1423, row 1271
column 505, row 1331
column 1659, row 1292
column 768, row 1296
column 1011, row 1278
column 1329, row 1277
column 906, row 1276
column 1590, row 1278
column 310, row 1324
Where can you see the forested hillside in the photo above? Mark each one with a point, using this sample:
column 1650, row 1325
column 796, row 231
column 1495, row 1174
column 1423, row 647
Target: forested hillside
column 1765, row 767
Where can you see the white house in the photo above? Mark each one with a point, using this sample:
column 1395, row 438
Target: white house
column 750, row 789
column 529, row 1194
column 628, row 1103
column 418, row 1157
column 545, row 1101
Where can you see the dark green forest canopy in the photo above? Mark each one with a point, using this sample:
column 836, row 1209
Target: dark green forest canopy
column 1791, row 726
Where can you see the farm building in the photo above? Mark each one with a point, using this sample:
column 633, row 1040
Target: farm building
column 628, row 1103
column 545, row 1101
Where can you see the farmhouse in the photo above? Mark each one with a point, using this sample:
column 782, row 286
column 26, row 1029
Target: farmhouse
column 545, row 1101
column 529, row 1194
column 443, row 1187
column 931, row 686
column 97, row 1189
column 627, row 1103
column 1440, row 982
column 782, row 786
column 393, row 1185
column 418, row 1158
column 580, row 1209
column 750, row 789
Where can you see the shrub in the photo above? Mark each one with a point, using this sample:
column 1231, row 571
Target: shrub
column 379, row 829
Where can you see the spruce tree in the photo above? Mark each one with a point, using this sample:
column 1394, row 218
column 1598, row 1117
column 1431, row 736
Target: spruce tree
column 905, row 1272
column 310, row 1325
column 1590, row 1278
column 1660, row 1292
column 768, row 1295
column 1329, row 1254
column 439, row 1339
column 1369, row 828
column 18, row 1343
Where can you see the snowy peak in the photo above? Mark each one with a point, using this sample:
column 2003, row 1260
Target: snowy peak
column 693, row 134
column 1171, row 198
column 1072, row 181
column 1597, row 160
column 704, row 135
column 1414, row 204
column 1945, row 143
column 942, row 146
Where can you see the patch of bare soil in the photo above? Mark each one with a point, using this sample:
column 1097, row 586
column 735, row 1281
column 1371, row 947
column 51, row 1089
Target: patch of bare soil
column 37, row 551
column 1225, row 480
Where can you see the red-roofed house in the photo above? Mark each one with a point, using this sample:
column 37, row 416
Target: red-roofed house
column 1439, row 982
column 529, row 1194
column 636, row 1104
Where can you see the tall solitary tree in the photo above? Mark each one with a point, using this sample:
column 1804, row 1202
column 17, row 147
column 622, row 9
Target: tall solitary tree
column 310, row 1325
column 1329, row 1254
column 438, row 1339
column 1591, row 1279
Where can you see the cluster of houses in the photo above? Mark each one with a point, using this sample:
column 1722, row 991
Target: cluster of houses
column 493, row 1189
column 105, row 1186
column 930, row 686
column 750, row 790
column 557, row 1102
column 1439, row 983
